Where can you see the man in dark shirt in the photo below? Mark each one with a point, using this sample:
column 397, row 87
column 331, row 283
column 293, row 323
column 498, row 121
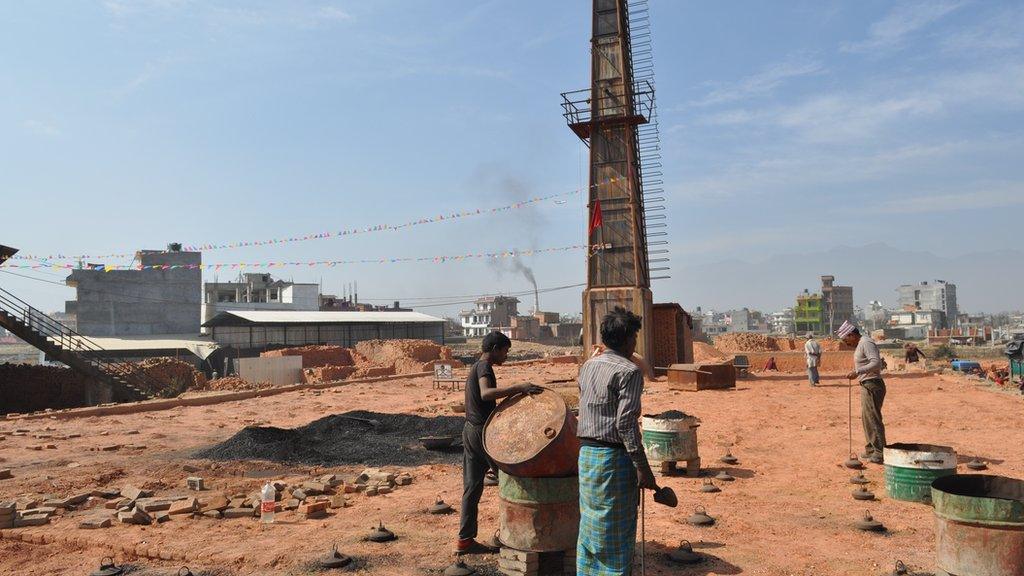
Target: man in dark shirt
column 481, row 395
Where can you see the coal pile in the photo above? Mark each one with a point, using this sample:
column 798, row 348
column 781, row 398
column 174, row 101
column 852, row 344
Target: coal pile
column 344, row 439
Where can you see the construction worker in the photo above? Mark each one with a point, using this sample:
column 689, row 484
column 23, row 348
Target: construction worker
column 812, row 350
column 911, row 353
column 867, row 369
column 612, row 462
column 482, row 392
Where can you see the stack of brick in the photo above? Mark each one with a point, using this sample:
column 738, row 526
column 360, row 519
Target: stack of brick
column 513, row 562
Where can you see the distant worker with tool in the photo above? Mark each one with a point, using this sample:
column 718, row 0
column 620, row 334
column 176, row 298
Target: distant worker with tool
column 612, row 462
column 812, row 350
column 481, row 395
column 911, row 353
column 867, row 368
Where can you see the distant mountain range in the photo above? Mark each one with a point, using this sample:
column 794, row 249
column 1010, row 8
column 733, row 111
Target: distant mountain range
column 985, row 281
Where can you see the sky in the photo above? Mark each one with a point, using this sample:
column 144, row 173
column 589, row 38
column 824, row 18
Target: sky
column 787, row 127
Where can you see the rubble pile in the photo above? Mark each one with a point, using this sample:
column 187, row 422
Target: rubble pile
column 167, row 377
column 232, row 383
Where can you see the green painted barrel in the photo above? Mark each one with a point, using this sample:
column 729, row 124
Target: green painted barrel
column 538, row 514
column 910, row 469
column 670, row 440
column 979, row 525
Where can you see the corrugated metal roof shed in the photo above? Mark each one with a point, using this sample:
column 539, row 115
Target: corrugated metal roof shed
column 254, row 317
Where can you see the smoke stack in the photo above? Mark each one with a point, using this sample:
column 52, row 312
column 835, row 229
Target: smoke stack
column 536, row 299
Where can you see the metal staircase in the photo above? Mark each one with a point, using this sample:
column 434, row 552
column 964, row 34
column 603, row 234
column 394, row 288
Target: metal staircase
column 71, row 348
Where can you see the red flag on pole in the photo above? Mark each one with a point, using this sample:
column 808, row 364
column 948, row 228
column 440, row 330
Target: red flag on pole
column 595, row 216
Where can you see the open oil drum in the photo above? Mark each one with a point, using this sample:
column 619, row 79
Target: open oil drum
column 538, row 514
column 910, row 469
column 979, row 525
column 533, row 436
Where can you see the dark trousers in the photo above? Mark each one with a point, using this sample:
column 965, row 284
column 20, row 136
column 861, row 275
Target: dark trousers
column 475, row 465
column 872, row 395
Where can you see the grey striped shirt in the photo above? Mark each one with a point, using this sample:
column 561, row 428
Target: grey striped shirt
column 610, row 389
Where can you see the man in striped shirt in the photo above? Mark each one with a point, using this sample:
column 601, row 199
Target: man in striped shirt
column 612, row 462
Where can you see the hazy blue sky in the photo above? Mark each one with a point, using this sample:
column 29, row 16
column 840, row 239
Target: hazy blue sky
column 788, row 126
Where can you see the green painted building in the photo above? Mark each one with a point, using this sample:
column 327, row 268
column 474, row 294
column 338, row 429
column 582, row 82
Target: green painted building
column 809, row 313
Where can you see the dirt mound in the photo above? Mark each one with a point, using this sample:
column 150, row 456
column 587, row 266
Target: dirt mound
column 344, row 439
column 315, row 356
column 746, row 342
column 707, row 353
column 166, row 377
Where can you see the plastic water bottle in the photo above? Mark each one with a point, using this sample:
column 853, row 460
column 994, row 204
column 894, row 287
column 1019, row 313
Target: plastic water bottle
column 267, row 500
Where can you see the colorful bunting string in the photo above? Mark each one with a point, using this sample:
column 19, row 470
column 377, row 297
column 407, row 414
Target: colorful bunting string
column 267, row 265
column 322, row 235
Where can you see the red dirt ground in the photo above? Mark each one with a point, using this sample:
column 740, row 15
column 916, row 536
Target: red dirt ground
column 789, row 511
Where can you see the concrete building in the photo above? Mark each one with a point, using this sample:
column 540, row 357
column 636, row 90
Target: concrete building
column 745, row 320
column 807, row 315
column 782, row 322
column 940, row 295
column 258, row 291
column 488, row 314
column 162, row 296
column 837, row 304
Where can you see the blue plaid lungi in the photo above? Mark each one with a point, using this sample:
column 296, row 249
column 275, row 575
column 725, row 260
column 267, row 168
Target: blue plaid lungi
column 608, row 501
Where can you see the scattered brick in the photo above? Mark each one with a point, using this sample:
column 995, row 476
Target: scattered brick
column 132, row 493
column 213, row 514
column 195, row 483
column 162, row 517
column 238, row 513
column 94, row 523
column 184, row 506
column 31, row 521
column 5, row 473
column 313, row 510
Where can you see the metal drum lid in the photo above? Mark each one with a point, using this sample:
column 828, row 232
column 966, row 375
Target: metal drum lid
column 524, row 425
column 920, row 456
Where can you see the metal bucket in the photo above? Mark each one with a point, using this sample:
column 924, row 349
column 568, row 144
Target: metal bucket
column 670, row 440
column 538, row 514
column 533, row 436
column 910, row 469
column 979, row 525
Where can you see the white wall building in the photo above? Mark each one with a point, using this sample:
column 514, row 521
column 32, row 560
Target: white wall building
column 488, row 314
column 258, row 292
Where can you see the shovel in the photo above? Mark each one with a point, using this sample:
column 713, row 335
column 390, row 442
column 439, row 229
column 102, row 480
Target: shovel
column 666, row 496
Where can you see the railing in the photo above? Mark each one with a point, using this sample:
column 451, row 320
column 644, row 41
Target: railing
column 578, row 106
column 66, row 338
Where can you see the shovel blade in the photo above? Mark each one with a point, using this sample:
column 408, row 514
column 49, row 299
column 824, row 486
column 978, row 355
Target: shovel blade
column 666, row 497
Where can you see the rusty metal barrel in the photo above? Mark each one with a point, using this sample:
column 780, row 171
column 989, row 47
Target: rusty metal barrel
column 533, row 436
column 979, row 525
column 538, row 514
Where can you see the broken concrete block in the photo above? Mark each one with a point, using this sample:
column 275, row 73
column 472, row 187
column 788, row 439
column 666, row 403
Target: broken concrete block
column 162, row 517
column 279, row 485
column 350, row 489
column 106, row 493
column 314, row 488
column 339, row 501
column 134, row 516
column 119, row 503
column 94, row 523
column 370, row 491
column 299, row 493
column 132, row 493
column 25, row 521
column 292, row 504
column 42, row 510
column 110, row 448
column 238, row 513
column 217, row 502
column 330, row 479
column 153, row 505
column 383, row 489
column 403, row 480
column 56, row 502
column 76, row 499
column 195, row 483
column 213, row 514
column 183, row 506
